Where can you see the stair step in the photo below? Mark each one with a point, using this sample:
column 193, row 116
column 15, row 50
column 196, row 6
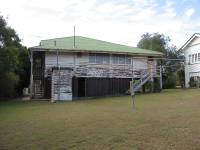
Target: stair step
column 139, row 83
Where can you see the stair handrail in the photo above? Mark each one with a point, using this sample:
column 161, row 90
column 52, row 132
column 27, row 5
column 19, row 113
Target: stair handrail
column 135, row 85
column 145, row 76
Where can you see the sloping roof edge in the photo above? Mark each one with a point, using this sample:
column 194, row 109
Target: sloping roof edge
column 189, row 41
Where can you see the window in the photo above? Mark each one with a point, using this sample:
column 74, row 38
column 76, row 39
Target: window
column 115, row 59
column 106, row 59
column 92, row 58
column 192, row 58
column 121, row 59
column 198, row 56
column 195, row 57
column 99, row 58
column 189, row 59
column 128, row 60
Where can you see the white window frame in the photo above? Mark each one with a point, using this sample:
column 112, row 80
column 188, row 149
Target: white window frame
column 196, row 57
column 95, row 55
column 190, row 57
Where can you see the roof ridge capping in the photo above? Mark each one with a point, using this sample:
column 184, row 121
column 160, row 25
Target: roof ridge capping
column 58, row 38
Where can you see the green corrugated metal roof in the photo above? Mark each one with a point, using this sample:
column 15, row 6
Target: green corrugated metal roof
column 91, row 45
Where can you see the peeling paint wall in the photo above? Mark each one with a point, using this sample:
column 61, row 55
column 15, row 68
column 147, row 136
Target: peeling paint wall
column 61, row 84
column 79, row 62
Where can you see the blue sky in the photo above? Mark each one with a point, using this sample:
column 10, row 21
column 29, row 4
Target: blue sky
column 119, row 21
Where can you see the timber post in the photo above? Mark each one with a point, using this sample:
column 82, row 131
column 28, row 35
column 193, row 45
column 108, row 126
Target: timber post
column 132, row 94
column 161, row 77
column 31, row 75
column 152, row 81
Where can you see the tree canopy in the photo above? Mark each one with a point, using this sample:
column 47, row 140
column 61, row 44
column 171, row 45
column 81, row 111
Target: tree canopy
column 160, row 42
column 155, row 41
column 14, row 62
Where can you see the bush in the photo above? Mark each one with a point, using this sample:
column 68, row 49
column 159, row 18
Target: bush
column 147, row 87
column 181, row 77
column 170, row 82
column 8, row 84
column 157, row 85
column 193, row 82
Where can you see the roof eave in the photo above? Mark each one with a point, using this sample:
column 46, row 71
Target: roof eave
column 188, row 41
column 98, row 51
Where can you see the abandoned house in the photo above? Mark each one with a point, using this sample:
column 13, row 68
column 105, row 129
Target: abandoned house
column 73, row 67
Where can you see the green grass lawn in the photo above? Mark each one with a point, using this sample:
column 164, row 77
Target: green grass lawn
column 167, row 120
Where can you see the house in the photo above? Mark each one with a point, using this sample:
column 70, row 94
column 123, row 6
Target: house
column 74, row 67
column 191, row 51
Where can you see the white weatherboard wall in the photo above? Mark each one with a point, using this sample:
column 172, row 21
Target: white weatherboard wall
column 192, row 69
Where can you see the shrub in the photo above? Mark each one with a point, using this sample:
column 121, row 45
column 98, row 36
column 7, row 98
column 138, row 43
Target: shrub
column 8, row 84
column 193, row 82
column 181, row 77
column 170, row 82
column 157, row 85
column 147, row 87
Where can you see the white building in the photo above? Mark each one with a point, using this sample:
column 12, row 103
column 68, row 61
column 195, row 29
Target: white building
column 191, row 50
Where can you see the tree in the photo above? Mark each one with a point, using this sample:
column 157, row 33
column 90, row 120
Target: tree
column 14, row 63
column 160, row 42
column 181, row 77
column 155, row 41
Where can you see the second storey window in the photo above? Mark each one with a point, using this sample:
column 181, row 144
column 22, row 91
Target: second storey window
column 106, row 59
column 198, row 56
column 195, row 57
column 115, row 59
column 128, row 60
column 92, row 58
column 99, row 58
column 190, row 59
column 121, row 59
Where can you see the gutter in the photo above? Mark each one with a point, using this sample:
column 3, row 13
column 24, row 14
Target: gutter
column 91, row 51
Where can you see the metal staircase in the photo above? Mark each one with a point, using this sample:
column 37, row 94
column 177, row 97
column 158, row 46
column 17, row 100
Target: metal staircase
column 146, row 76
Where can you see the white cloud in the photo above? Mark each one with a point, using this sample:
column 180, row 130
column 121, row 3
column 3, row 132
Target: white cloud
column 190, row 12
column 116, row 21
